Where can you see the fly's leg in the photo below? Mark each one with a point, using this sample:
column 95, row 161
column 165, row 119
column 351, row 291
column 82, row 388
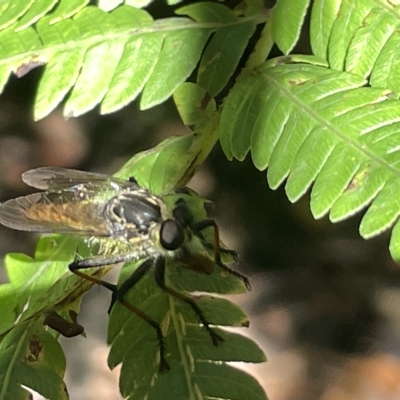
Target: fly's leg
column 95, row 262
column 160, row 280
column 232, row 253
column 211, row 223
column 118, row 294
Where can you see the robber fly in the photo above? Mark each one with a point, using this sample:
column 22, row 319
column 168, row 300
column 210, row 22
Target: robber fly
column 133, row 222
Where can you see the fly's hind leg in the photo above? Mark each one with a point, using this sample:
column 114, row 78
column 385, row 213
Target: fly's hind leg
column 160, row 280
column 211, row 223
column 118, row 294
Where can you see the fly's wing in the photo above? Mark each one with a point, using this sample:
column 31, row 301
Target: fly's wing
column 56, row 178
column 73, row 202
column 62, row 212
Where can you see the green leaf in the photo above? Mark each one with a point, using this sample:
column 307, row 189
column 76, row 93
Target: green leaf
column 384, row 71
column 15, row 44
column 244, row 101
column 226, row 46
column 342, row 32
column 8, row 306
column 173, row 2
column 178, row 58
column 344, row 142
column 235, row 348
column 208, row 382
column 43, row 282
column 188, row 345
column 66, row 9
column 110, row 58
column 207, row 12
column 138, row 3
column 368, row 42
column 350, row 17
column 92, row 79
column 30, row 356
column 12, row 10
column 219, row 282
column 153, row 170
column 222, row 56
column 108, row 5
column 146, row 49
column 37, row 9
column 287, row 20
column 190, row 101
column 359, row 37
column 323, row 15
column 60, row 76
column 262, row 48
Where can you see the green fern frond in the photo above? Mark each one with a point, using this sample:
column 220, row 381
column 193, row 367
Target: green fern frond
column 111, row 58
column 315, row 126
column 359, row 37
column 320, row 127
column 32, row 357
column 193, row 359
column 354, row 36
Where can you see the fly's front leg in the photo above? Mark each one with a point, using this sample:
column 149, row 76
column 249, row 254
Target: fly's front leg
column 119, row 293
column 160, row 280
column 232, row 253
column 95, row 262
column 217, row 250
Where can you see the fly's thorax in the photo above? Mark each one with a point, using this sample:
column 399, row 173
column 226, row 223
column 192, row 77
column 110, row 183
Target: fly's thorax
column 132, row 213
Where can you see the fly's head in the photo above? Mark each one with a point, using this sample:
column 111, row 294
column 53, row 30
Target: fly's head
column 160, row 227
column 173, row 231
column 193, row 252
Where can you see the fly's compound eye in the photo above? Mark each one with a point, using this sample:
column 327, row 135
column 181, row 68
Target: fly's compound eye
column 171, row 235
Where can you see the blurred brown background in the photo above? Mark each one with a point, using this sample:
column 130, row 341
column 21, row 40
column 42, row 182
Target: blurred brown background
column 324, row 304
